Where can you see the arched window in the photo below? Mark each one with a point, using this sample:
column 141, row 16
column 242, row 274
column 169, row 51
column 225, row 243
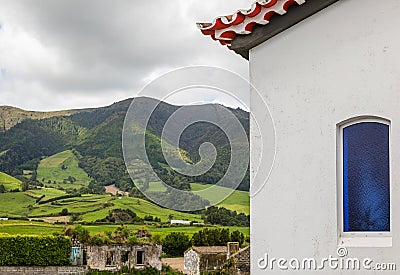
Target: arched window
column 365, row 177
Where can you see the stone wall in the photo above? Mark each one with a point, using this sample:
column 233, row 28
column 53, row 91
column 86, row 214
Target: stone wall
column 114, row 257
column 242, row 261
column 210, row 262
column 49, row 270
column 191, row 262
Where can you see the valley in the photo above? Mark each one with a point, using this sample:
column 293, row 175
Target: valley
column 56, row 168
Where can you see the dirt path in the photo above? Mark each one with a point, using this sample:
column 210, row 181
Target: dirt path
column 63, row 219
column 112, row 189
column 176, row 263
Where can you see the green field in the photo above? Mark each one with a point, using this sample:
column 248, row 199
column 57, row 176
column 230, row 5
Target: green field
column 51, row 170
column 238, row 201
column 10, row 183
column 90, row 207
column 41, row 228
column 48, row 192
column 15, row 204
column 29, row 228
column 141, row 208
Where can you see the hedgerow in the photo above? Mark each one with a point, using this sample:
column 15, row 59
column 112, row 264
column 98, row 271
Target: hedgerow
column 34, row 251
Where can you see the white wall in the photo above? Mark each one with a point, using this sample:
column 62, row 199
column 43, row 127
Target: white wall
column 343, row 62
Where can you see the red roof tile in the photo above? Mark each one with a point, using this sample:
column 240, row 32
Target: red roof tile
column 225, row 28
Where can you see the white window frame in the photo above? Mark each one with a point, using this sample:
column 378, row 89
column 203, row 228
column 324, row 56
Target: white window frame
column 361, row 239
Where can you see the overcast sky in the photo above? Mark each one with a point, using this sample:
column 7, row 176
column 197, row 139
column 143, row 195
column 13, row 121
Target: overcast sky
column 81, row 53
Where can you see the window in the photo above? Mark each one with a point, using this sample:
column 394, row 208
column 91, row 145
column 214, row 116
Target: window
column 124, row 256
column 110, row 258
column 364, row 181
column 140, row 258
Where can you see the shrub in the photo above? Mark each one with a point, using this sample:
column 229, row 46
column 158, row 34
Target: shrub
column 34, row 251
column 175, row 244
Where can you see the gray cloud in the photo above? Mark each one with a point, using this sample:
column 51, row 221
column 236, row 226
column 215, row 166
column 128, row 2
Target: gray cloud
column 75, row 53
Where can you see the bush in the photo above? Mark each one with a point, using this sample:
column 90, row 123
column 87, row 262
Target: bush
column 64, row 212
column 225, row 217
column 34, row 251
column 175, row 244
column 218, row 236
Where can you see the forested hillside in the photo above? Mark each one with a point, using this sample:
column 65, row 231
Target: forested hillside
column 94, row 137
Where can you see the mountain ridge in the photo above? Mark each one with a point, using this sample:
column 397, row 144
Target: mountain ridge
column 96, row 135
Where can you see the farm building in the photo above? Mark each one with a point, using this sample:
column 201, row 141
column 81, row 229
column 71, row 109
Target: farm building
column 114, row 257
column 328, row 70
column 180, row 222
column 241, row 262
column 199, row 259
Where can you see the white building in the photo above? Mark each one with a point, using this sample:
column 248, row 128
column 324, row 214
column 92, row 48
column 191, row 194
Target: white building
column 180, row 222
column 330, row 73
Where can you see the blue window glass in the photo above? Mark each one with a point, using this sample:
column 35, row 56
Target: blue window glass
column 366, row 177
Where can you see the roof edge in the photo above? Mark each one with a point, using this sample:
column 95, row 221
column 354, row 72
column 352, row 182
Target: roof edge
column 243, row 43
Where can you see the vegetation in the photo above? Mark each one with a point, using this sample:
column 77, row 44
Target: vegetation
column 96, row 136
column 25, row 227
column 219, row 236
column 32, row 139
column 121, row 235
column 34, row 251
column 120, row 215
column 62, row 170
column 9, row 183
column 223, row 216
column 238, row 201
column 175, row 244
column 59, row 165
column 166, row 270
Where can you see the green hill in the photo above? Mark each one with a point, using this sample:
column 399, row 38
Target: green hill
column 10, row 183
column 62, row 170
column 238, row 201
column 81, row 150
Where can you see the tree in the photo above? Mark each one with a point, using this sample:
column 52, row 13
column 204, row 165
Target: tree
column 175, row 244
column 77, row 232
column 219, row 237
column 2, row 188
column 24, row 186
column 64, row 212
column 237, row 236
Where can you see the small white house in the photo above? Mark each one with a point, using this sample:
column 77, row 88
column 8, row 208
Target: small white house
column 330, row 73
column 180, row 222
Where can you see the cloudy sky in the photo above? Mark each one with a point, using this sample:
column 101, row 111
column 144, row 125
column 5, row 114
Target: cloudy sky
column 81, row 53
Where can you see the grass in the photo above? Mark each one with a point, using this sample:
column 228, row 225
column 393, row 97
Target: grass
column 13, row 227
column 48, row 192
column 141, row 208
column 29, row 228
column 90, row 207
column 156, row 187
column 9, row 182
column 50, row 169
column 82, row 204
column 162, row 232
column 238, row 201
column 15, row 204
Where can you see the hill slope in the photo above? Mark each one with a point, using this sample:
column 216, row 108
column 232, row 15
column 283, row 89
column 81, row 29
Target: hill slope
column 9, row 182
column 95, row 134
